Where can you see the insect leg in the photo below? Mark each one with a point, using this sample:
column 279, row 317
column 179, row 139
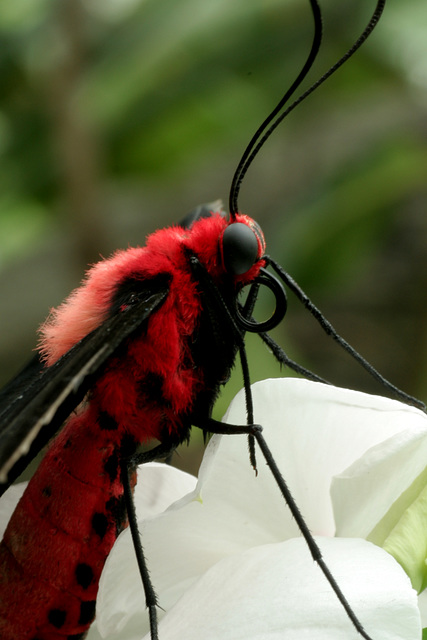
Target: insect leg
column 150, row 594
column 285, row 360
column 255, row 430
column 161, row 451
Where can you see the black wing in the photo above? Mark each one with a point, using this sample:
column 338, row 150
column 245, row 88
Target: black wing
column 34, row 405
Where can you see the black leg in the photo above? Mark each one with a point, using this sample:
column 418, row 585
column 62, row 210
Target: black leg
column 150, row 594
column 161, row 451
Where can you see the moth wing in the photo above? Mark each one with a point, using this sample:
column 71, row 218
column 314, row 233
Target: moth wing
column 34, row 405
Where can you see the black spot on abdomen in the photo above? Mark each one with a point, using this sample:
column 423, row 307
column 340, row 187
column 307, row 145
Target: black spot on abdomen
column 100, row 524
column 47, row 492
column 84, row 575
column 87, row 611
column 111, row 466
column 57, row 617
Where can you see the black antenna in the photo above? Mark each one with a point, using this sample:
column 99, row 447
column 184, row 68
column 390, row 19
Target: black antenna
column 246, row 159
column 275, row 117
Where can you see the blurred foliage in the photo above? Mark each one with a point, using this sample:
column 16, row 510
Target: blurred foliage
column 119, row 116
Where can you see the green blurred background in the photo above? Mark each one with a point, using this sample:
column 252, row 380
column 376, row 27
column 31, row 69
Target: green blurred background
column 119, row 116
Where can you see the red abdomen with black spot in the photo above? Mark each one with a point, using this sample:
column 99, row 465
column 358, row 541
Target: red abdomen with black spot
column 57, row 541
column 62, row 531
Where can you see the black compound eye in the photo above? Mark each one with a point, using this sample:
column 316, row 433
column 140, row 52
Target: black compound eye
column 239, row 248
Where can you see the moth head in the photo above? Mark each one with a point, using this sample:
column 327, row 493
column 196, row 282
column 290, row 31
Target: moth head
column 241, row 243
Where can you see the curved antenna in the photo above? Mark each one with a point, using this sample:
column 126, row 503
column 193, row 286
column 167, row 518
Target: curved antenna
column 247, row 157
column 275, row 117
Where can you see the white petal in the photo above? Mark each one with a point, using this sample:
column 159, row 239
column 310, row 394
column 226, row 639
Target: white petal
column 158, row 486
column 315, row 432
column 8, row 503
column 93, row 633
column 276, row 591
column 364, row 493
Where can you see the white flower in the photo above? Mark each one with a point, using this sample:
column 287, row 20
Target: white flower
column 227, row 559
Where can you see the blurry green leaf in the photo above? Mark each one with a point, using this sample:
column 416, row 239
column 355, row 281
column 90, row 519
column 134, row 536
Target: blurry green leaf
column 21, row 14
column 403, row 41
column 347, row 221
column 22, row 223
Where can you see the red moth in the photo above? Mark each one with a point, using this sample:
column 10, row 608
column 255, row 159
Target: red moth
column 59, row 536
column 145, row 343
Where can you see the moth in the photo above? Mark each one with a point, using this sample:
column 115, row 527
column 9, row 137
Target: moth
column 137, row 353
